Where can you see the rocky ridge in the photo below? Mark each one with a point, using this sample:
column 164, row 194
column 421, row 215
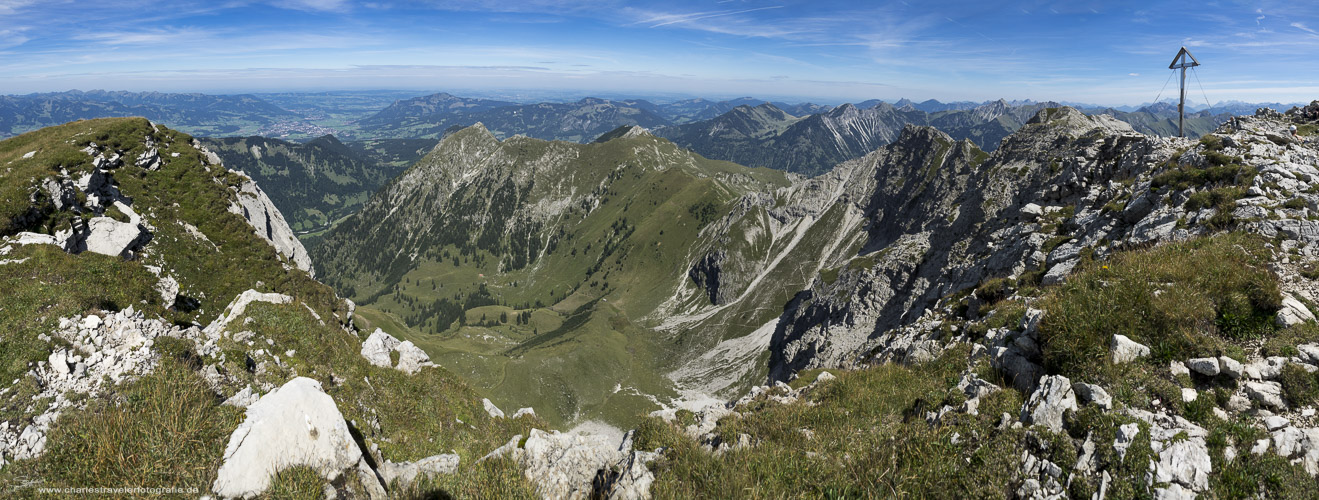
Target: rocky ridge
column 1113, row 190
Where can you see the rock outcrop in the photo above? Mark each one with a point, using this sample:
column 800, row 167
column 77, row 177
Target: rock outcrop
column 380, row 347
column 253, row 204
column 297, row 424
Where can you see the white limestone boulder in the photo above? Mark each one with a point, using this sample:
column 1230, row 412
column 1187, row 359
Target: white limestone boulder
column 107, row 236
column 1049, row 402
column 1124, row 350
column 1293, row 312
column 295, row 425
column 378, row 350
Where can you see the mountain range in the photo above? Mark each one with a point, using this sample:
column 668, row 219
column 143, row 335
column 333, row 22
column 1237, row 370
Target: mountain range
column 1084, row 311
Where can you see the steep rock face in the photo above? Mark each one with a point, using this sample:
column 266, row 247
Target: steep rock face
column 269, row 223
column 979, row 218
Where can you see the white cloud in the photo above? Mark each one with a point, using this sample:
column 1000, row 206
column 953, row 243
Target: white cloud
column 1303, row 27
column 315, row 5
column 1133, row 74
column 667, row 19
column 12, row 6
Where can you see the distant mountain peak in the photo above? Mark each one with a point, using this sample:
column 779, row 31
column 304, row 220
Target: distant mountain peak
column 623, row 132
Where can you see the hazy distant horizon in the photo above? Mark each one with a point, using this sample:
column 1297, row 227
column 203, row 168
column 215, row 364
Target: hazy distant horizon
column 528, row 96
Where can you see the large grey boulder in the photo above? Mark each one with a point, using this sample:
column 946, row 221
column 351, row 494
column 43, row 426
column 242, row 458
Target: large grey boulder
column 1186, row 462
column 1049, row 402
column 1093, row 394
column 107, row 236
column 1230, row 367
column 1124, row 350
column 411, row 359
column 1265, row 369
column 565, row 465
column 260, row 212
column 297, row 424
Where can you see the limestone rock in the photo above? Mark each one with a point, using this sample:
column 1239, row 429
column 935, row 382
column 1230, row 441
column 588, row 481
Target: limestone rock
column 1189, row 395
column 1126, row 434
column 632, row 479
column 1267, row 394
column 107, row 236
column 1204, row 366
column 407, row 472
column 1124, row 350
column 491, row 409
column 297, row 424
column 1093, row 394
column 377, row 348
column 566, row 465
column 1173, row 491
column 411, row 359
column 1048, row 403
column 1178, row 368
column 1230, row 367
column 1058, row 273
column 524, row 411
column 1293, row 312
column 1275, row 422
column 1265, row 369
column 1186, row 462
column 260, row 212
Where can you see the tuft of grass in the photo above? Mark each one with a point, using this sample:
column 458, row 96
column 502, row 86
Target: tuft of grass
column 498, row 478
column 297, row 483
column 1181, row 299
column 166, row 429
column 1217, row 174
column 1301, row 388
column 994, row 290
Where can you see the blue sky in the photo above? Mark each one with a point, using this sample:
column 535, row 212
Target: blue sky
column 1105, row 52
